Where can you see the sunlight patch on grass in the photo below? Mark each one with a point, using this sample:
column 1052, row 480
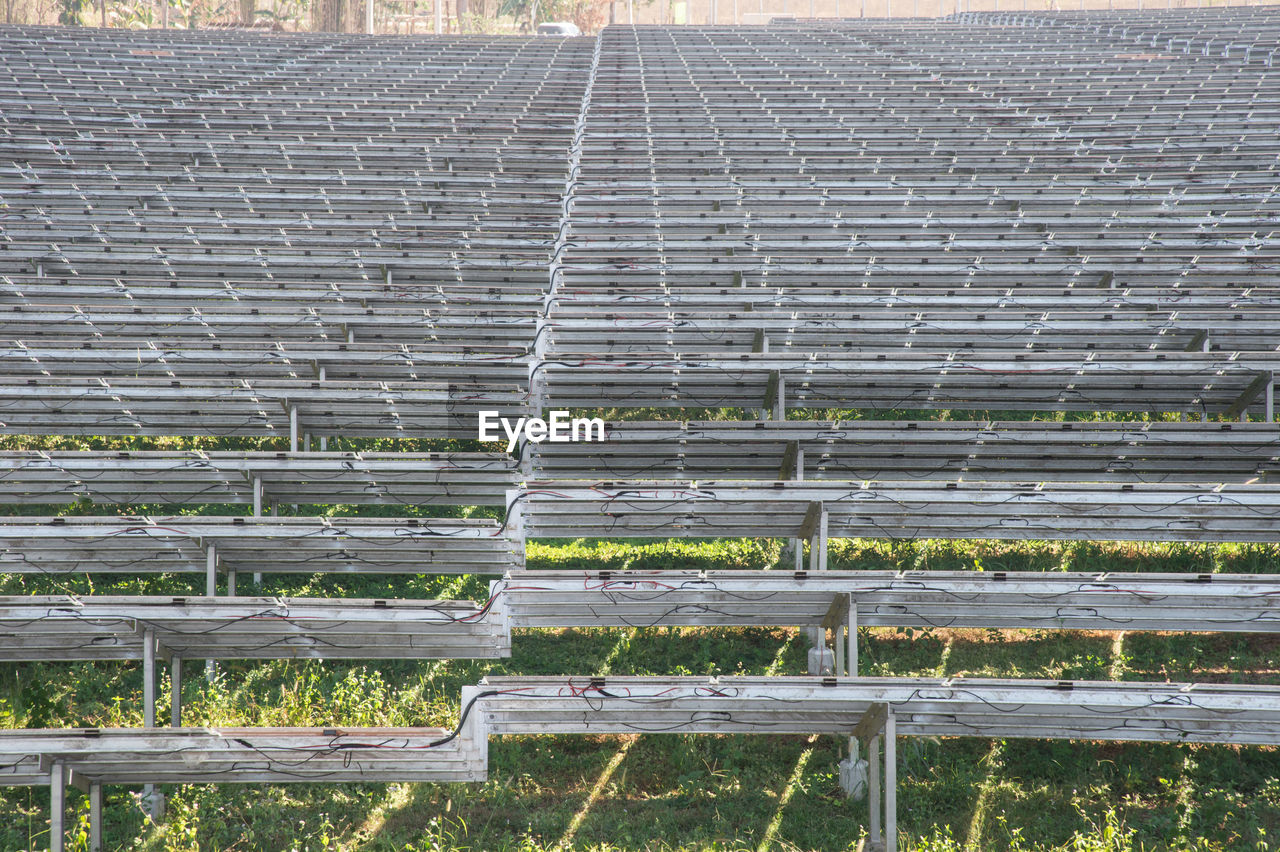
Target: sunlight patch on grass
column 596, row 792
column 793, row 782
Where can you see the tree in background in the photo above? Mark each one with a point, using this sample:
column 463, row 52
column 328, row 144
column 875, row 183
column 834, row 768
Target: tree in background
column 589, row 15
column 329, row 16
column 69, row 11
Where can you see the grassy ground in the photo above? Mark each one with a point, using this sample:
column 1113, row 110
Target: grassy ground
column 686, row 792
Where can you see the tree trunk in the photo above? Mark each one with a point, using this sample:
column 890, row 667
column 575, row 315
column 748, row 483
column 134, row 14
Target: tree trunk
column 247, row 12
column 462, row 7
column 329, row 16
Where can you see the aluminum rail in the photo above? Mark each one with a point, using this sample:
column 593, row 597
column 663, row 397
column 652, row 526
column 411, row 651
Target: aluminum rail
column 238, row 755
column 293, row 317
column 90, row 757
column 710, row 330
column 247, row 628
column 910, row 379
column 263, row 408
column 210, row 545
column 952, row 707
column 901, row 510
column 942, row 599
column 37, row 477
column 984, row 451
column 441, row 364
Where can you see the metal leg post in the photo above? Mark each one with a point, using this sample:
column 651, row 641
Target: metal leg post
column 890, row 784
column 95, row 818
column 175, row 691
column 57, row 806
column 873, row 797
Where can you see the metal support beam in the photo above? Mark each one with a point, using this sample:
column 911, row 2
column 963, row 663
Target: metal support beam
column 872, row 722
column 257, row 513
column 878, row 723
column 293, row 428
column 175, row 691
column 890, row 783
column 812, row 519
column 231, row 584
column 149, row 678
column 1256, row 388
column 873, row 794
column 1199, row 343
column 95, row 817
column 150, row 795
column 790, row 455
column 210, row 590
column 57, row 806
column 210, row 570
column 852, row 625
column 835, row 619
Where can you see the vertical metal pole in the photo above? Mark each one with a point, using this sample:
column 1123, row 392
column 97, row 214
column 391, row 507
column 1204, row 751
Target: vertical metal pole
column 715, row 11
column 890, row 783
column 149, row 678
column 95, row 817
column 735, row 12
column 210, row 590
column 257, row 513
column 57, row 806
column 873, row 797
column 1270, row 403
column 306, row 442
column 822, row 541
column 798, row 476
column 149, row 707
column 175, row 691
column 853, row 637
column 438, row 5
column 840, row 646
column 293, row 428
column 211, row 571
column 368, row 16
column 631, row 12
column 231, row 583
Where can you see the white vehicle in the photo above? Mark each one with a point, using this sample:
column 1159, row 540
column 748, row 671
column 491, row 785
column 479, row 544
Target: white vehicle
column 558, row 28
